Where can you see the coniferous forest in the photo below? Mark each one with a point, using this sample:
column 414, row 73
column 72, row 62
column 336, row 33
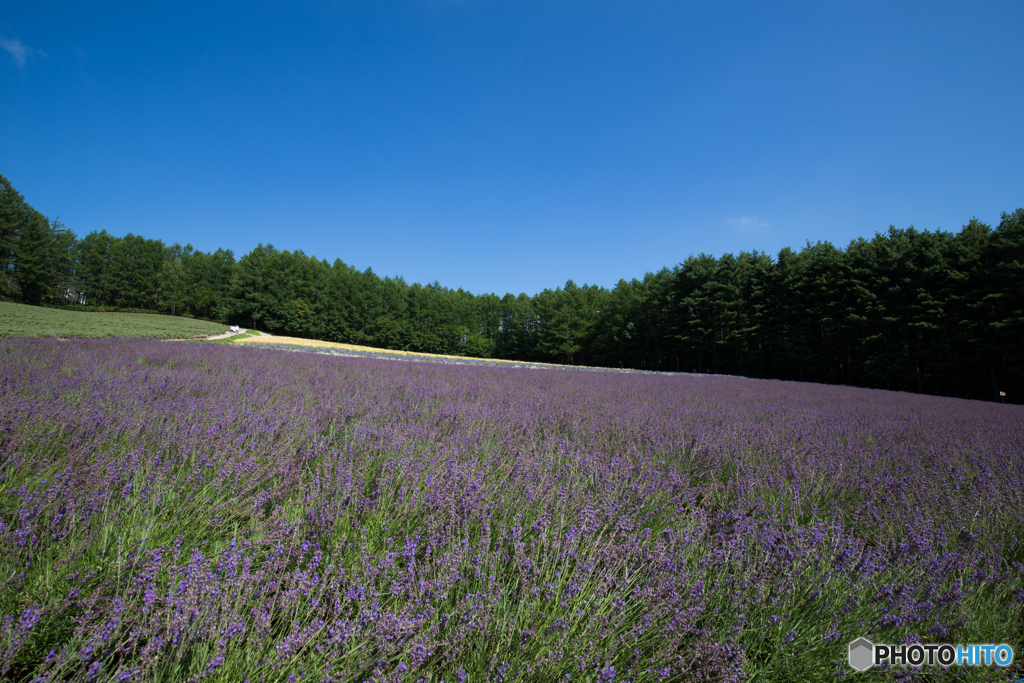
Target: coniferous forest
column 911, row 310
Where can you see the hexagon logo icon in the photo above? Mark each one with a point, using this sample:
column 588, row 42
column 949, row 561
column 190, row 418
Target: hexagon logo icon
column 862, row 654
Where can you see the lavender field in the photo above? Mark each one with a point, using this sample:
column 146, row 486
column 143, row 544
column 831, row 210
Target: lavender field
column 178, row 512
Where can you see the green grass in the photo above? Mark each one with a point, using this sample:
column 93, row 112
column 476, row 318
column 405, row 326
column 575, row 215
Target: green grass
column 19, row 320
column 236, row 337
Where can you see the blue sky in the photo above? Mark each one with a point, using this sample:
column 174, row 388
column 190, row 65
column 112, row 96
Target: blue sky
column 510, row 146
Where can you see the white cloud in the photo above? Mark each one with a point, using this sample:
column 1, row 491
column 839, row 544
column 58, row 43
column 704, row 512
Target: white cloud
column 747, row 223
column 19, row 50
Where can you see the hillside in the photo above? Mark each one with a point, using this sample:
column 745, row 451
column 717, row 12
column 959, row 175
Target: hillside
column 20, row 320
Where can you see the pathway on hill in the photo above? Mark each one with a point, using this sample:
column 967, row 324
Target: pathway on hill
column 353, row 351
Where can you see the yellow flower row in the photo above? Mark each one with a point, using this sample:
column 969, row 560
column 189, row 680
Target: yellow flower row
column 296, row 341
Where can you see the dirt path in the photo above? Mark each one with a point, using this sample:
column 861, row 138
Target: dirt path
column 353, row 351
column 227, row 334
column 241, row 331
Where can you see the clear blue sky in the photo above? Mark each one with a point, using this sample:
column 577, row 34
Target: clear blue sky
column 510, row 146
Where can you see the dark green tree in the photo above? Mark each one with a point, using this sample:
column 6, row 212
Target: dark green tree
column 248, row 295
column 174, row 286
column 93, row 267
column 34, row 269
column 133, row 277
column 66, row 286
column 12, row 220
column 567, row 319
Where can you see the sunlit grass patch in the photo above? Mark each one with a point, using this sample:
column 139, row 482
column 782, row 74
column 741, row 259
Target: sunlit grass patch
column 316, row 343
column 19, row 320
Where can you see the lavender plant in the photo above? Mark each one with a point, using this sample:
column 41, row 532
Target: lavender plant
column 178, row 512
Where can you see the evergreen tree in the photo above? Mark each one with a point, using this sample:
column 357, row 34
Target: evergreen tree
column 134, row 273
column 12, row 219
column 697, row 321
column 517, row 329
column 93, row 267
column 341, row 318
column 998, row 304
column 66, row 286
column 34, row 270
column 248, row 295
column 174, row 286
column 567, row 317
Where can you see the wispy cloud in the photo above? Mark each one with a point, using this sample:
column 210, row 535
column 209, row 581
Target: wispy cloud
column 747, row 223
column 19, row 50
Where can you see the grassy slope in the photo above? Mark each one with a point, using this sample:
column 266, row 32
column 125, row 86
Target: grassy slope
column 19, row 320
column 237, row 337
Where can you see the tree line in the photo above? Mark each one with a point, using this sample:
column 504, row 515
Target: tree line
column 913, row 310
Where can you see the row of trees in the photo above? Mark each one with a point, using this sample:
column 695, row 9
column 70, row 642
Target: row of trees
column 931, row 312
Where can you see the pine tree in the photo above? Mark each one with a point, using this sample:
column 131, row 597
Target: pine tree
column 568, row 318
column 174, row 286
column 12, row 218
column 247, row 299
column 34, row 270
column 93, row 267
column 65, row 286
